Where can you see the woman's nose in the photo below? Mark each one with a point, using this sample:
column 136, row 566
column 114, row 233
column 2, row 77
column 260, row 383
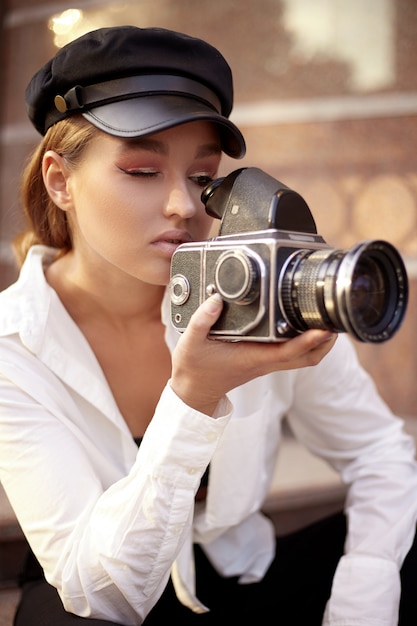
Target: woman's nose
column 180, row 202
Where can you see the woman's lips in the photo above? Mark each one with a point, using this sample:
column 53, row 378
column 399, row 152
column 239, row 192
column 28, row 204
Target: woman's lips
column 168, row 242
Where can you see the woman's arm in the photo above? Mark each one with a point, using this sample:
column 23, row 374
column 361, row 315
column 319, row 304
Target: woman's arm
column 340, row 416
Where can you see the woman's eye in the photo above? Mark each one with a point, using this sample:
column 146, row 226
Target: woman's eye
column 140, row 173
column 202, row 180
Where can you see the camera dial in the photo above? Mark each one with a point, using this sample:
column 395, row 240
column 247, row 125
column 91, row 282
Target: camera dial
column 179, row 289
column 236, row 276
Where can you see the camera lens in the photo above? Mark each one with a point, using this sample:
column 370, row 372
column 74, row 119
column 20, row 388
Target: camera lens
column 368, row 296
column 362, row 291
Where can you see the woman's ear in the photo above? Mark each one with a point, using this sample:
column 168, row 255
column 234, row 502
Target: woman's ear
column 55, row 177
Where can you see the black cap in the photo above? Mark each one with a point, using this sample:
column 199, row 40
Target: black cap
column 132, row 82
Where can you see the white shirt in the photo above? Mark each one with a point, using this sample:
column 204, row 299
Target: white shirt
column 107, row 521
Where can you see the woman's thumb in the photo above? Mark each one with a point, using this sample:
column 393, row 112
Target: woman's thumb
column 206, row 315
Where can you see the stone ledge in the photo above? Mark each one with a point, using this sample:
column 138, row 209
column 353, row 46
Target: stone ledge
column 9, row 527
column 9, row 599
column 12, row 544
column 304, row 489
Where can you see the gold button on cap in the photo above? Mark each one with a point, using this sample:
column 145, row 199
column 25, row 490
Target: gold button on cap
column 60, row 104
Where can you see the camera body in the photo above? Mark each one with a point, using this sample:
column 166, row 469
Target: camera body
column 276, row 274
column 244, row 270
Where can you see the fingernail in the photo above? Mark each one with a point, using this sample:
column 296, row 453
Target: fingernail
column 213, row 303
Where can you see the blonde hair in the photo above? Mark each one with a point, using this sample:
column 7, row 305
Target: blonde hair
column 46, row 223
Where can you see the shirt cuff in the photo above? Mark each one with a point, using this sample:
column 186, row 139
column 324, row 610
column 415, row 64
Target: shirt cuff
column 180, row 441
column 366, row 592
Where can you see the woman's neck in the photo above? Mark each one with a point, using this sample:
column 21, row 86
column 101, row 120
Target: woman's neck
column 118, row 299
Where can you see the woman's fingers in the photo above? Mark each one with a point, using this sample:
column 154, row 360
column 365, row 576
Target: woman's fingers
column 205, row 369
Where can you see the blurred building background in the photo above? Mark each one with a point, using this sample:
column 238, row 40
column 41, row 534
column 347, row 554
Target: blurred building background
column 326, row 95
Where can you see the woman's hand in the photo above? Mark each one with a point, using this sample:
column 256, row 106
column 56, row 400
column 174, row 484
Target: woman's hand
column 203, row 369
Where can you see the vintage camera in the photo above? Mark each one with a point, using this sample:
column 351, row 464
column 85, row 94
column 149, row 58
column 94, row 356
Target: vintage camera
column 277, row 276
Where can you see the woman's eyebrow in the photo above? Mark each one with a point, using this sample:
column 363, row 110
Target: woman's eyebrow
column 208, row 150
column 145, row 143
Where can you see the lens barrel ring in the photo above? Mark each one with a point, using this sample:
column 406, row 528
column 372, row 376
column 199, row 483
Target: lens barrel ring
column 363, row 291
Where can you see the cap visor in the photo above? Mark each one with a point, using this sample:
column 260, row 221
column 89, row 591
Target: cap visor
column 145, row 115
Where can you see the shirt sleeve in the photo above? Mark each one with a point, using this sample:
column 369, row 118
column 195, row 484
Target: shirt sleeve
column 366, row 592
column 339, row 415
column 108, row 550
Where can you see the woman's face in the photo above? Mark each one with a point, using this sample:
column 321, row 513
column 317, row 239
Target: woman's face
column 134, row 201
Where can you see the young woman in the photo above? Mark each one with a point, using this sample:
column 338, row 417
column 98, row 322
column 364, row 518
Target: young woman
column 137, row 460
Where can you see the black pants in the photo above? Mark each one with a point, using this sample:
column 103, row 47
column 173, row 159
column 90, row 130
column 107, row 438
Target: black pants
column 294, row 590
